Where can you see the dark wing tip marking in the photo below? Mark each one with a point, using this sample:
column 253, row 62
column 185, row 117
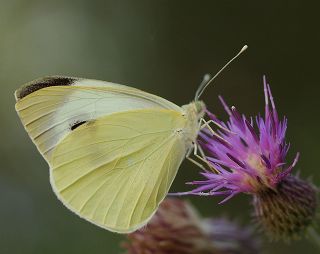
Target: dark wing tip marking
column 77, row 124
column 38, row 84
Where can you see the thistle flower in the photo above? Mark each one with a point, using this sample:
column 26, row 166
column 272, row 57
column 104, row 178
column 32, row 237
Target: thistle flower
column 177, row 228
column 245, row 161
column 253, row 162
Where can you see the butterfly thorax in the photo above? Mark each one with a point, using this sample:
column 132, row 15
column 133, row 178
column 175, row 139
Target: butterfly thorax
column 193, row 112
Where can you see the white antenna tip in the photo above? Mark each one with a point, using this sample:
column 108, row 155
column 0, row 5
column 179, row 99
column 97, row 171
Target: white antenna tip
column 206, row 77
column 244, row 48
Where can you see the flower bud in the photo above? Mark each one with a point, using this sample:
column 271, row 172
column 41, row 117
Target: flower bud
column 176, row 228
column 288, row 210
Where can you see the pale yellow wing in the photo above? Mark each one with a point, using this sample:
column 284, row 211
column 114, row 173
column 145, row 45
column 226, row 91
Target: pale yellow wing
column 51, row 107
column 115, row 171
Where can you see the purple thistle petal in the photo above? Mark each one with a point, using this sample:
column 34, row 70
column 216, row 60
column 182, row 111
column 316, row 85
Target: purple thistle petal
column 225, row 106
column 222, row 193
column 266, row 161
column 287, row 171
column 241, row 164
column 253, row 133
column 222, row 141
column 228, row 197
column 266, row 97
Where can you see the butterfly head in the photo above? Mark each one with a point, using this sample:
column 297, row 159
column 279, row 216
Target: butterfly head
column 195, row 110
column 199, row 109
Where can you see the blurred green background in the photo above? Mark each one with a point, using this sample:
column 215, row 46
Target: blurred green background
column 163, row 47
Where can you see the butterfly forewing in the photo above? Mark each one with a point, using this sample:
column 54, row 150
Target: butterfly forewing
column 49, row 112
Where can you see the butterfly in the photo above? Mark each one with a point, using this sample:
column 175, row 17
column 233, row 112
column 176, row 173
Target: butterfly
column 113, row 150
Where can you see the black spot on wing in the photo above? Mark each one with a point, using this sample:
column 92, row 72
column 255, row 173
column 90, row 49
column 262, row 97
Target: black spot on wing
column 42, row 83
column 77, row 124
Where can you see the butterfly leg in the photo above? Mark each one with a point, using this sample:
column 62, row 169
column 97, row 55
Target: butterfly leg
column 196, row 147
column 201, row 157
column 206, row 124
column 194, row 161
column 203, row 123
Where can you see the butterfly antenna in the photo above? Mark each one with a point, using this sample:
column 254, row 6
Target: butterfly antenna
column 207, row 80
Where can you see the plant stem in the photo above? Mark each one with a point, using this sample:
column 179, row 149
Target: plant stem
column 314, row 236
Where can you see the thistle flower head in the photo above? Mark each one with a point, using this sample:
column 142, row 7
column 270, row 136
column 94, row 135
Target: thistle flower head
column 177, row 228
column 247, row 153
column 249, row 156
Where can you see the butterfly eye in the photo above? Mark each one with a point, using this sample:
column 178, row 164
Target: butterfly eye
column 200, row 107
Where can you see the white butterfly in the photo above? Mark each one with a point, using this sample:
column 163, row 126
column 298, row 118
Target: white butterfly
column 113, row 150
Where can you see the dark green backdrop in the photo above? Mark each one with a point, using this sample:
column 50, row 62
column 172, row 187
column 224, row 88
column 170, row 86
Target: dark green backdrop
column 163, row 47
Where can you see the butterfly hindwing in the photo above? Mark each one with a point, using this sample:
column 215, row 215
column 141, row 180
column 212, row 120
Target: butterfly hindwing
column 115, row 170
